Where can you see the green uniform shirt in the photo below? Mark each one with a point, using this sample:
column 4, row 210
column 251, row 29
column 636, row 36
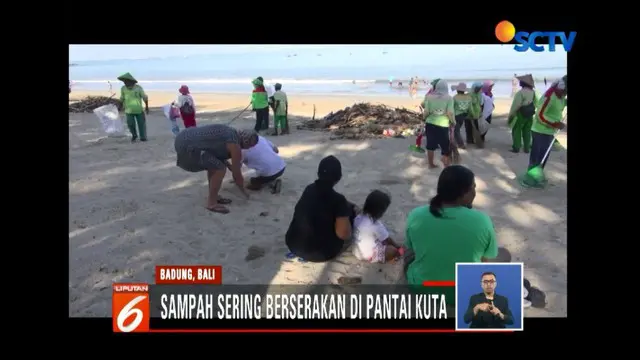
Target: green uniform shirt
column 437, row 110
column 548, row 112
column 522, row 97
column 461, row 104
column 461, row 235
column 132, row 99
column 259, row 99
column 476, row 105
column 282, row 97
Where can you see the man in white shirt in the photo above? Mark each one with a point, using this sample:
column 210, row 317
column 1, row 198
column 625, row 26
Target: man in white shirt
column 269, row 166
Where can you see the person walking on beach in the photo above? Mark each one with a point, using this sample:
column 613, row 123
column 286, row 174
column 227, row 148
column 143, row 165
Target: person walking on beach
column 487, row 105
column 412, row 88
column 475, row 113
column 439, row 117
column 260, row 104
column 209, row 148
column 132, row 95
column 461, row 105
column 546, row 123
column 280, row 110
column 521, row 114
column 187, row 107
column 514, row 85
column 418, row 146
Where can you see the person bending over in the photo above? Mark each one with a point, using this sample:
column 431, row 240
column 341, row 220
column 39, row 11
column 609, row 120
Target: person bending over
column 264, row 158
column 209, row 148
column 323, row 218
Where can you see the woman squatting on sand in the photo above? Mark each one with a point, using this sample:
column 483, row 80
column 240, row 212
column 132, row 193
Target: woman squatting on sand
column 323, row 218
column 209, row 148
column 447, row 231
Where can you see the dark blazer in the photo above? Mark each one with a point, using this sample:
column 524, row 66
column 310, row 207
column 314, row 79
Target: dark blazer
column 485, row 319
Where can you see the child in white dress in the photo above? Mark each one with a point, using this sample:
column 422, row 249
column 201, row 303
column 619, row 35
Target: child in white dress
column 371, row 241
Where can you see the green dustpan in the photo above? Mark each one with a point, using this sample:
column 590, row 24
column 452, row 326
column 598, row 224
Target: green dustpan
column 534, row 177
column 416, row 148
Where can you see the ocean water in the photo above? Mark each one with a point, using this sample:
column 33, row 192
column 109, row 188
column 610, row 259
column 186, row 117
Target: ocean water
column 336, row 71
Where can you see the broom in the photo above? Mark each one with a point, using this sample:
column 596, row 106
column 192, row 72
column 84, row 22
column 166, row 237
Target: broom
column 237, row 116
column 536, row 173
column 455, row 154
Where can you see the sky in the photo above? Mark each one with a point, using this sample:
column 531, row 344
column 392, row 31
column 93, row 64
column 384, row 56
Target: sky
column 485, row 56
column 117, row 52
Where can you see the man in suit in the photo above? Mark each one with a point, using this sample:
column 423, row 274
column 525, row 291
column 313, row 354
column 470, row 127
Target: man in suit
column 488, row 310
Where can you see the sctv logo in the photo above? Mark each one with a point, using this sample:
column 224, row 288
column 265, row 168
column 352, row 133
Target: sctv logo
column 505, row 32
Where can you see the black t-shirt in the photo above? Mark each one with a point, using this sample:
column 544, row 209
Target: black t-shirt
column 485, row 319
column 312, row 235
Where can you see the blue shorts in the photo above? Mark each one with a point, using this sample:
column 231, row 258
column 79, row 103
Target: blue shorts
column 438, row 137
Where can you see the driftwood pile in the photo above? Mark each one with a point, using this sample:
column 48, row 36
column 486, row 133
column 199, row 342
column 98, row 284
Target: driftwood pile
column 90, row 103
column 365, row 121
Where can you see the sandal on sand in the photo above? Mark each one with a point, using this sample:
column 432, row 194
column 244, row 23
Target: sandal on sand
column 292, row 256
column 223, row 201
column 277, row 186
column 219, row 209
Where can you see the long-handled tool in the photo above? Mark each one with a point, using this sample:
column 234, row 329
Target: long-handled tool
column 536, row 173
column 455, row 153
column 237, row 116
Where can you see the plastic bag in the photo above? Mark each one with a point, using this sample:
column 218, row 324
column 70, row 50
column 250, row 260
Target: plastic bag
column 174, row 113
column 110, row 120
column 483, row 125
column 169, row 112
column 270, row 90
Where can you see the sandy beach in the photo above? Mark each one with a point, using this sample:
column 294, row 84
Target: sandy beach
column 131, row 208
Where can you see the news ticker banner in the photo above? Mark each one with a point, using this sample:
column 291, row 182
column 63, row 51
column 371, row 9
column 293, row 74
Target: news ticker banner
column 192, row 298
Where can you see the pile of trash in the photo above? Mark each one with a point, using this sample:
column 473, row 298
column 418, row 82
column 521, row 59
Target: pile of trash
column 91, row 103
column 366, row 121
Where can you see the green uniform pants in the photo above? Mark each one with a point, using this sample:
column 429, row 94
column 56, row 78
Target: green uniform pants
column 521, row 133
column 140, row 119
column 281, row 122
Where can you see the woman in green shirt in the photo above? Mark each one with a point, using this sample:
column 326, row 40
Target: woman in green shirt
column 521, row 114
column 132, row 95
column 260, row 104
column 448, row 230
column 474, row 114
column 546, row 122
column 461, row 105
column 439, row 116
